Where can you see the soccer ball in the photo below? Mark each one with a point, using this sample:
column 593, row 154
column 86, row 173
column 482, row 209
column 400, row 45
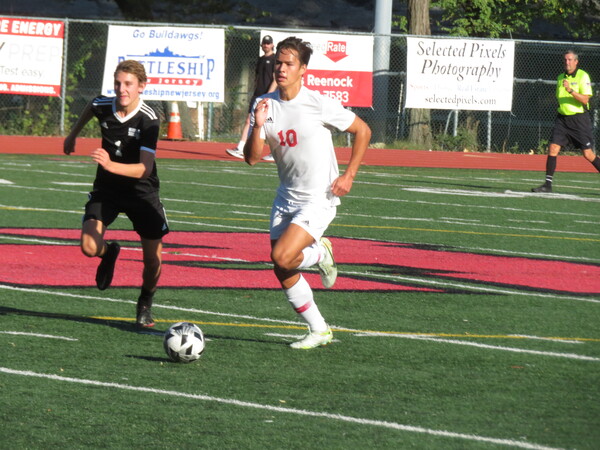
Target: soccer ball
column 184, row 342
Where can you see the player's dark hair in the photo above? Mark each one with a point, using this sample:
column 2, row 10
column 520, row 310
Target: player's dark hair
column 134, row 67
column 302, row 48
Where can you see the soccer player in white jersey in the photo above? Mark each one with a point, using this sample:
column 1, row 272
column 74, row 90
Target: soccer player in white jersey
column 126, row 181
column 295, row 122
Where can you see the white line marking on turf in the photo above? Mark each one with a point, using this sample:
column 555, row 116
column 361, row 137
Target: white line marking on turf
column 279, row 409
column 455, row 285
column 5, row 181
column 462, row 205
column 505, row 194
column 291, row 336
column 487, row 346
column 565, row 341
column 452, row 248
column 213, row 225
column 66, row 183
column 286, row 322
column 220, row 186
column 155, row 305
column 49, row 336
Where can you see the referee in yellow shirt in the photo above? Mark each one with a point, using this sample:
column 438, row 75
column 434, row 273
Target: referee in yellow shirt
column 573, row 124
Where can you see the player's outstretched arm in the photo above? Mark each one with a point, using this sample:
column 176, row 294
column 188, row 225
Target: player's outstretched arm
column 362, row 136
column 84, row 118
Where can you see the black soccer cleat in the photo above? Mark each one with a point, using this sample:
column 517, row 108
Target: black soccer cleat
column 106, row 268
column 144, row 316
column 543, row 188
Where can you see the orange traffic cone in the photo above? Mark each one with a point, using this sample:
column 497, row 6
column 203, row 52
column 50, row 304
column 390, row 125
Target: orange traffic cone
column 174, row 130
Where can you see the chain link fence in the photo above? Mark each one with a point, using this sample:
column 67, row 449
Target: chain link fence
column 525, row 129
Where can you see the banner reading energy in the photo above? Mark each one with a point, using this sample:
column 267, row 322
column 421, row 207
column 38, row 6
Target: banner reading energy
column 182, row 64
column 31, row 56
column 340, row 67
column 459, row 74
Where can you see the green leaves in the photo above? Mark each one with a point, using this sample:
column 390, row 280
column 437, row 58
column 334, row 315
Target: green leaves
column 507, row 19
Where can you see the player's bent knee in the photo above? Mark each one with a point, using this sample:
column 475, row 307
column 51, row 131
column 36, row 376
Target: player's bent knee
column 283, row 260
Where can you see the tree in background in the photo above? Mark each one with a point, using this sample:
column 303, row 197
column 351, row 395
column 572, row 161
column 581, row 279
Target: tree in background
column 508, row 19
column 419, row 126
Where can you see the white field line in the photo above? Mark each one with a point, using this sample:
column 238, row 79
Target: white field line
column 564, row 341
column 492, row 194
column 461, row 205
column 213, row 225
column 454, row 247
column 512, row 252
column 291, row 337
column 391, row 185
column 479, row 345
column 287, row 322
column 476, row 288
column 47, row 336
column 473, row 223
column 221, row 186
column 29, row 170
column 67, row 183
column 279, row 409
column 155, row 305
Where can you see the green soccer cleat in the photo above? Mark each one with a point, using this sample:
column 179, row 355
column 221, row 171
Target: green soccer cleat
column 327, row 267
column 313, row 340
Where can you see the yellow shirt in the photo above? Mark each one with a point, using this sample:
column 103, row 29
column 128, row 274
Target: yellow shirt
column 580, row 82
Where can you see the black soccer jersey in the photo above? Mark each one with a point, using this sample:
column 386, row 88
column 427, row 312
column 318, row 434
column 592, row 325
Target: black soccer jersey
column 124, row 138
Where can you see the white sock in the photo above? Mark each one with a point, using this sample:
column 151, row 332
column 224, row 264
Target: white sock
column 301, row 298
column 241, row 144
column 312, row 255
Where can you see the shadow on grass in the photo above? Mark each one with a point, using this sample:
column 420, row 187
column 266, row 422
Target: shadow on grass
column 129, row 327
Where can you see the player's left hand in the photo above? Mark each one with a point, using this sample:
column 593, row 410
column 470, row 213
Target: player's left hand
column 100, row 156
column 341, row 185
column 261, row 112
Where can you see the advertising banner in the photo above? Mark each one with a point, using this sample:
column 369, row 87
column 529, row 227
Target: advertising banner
column 340, row 67
column 31, row 56
column 182, row 64
column 459, row 74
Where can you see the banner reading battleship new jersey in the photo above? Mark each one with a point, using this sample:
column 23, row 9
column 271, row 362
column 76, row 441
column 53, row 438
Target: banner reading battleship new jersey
column 463, row 74
column 182, row 64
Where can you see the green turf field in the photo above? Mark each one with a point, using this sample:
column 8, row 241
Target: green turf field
column 466, row 316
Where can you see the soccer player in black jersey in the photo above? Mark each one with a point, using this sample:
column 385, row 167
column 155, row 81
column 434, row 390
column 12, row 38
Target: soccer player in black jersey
column 126, row 181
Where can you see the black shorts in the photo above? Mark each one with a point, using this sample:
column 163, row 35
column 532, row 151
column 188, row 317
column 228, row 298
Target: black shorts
column 575, row 130
column 145, row 212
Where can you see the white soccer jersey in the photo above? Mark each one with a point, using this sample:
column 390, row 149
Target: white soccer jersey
column 298, row 133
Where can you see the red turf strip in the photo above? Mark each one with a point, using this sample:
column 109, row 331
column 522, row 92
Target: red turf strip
column 195, row 264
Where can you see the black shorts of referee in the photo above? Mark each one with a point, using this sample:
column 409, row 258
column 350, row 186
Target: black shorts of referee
column 575, row 130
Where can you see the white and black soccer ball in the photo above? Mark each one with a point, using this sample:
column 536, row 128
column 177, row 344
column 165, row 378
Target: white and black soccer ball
column 184, row 342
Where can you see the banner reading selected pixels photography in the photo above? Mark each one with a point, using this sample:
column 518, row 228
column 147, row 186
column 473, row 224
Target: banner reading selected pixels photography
column 459, row 74
column 31, row 56
column 182, row 64
column 340, row 67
